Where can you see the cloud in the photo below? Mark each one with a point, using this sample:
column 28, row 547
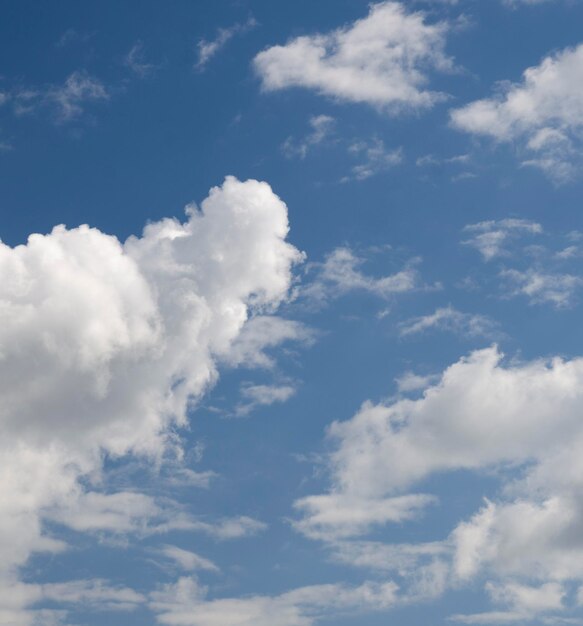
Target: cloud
column 262, row 395
column 135, row 61
column 452, row 320
column 104, row 346
column 67, row 101
column 229, row 528
column 94, row 594
column 185, row 603
column 490, row 237
column 322, row 126
column 376, row 159
column 382, row 60
column 542, row 115
column 78, row 89
column 339, row 274
column 522, row 420
column 208, row 49
column 187, row 560
column 261, row 333
column 543, row 287
column 410, row 381
column 339, row 515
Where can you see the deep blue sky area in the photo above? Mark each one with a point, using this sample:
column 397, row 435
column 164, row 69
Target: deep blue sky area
column 432, row 236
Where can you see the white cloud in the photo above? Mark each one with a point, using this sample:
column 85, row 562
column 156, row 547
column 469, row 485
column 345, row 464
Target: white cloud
column 522, row 420
column 340, row 274
column 376, row 159
column 452, row 320
column 187, row 560
column 208, row 49
column 95, row 595
column 185, row 603
column 543, row 287
column 104, row 345
column 543, row 114
column 339, row 515
column 491, row 237
column 229, row 528
column 410, row 381
column 262, row 395
column 263, row 332
column 322, row 127
column 382, row 60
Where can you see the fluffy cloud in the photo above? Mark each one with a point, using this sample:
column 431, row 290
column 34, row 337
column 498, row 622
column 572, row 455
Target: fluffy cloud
column 381, row 60
column 103, row 346
column 522, row 419
column 543, row 114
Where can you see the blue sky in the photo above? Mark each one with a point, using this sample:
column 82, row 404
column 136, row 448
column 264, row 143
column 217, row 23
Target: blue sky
column 290, row 298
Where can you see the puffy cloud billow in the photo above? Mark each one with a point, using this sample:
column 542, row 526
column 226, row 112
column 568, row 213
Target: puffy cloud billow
column 104, row 345
column 523, row 420
column 382, row 59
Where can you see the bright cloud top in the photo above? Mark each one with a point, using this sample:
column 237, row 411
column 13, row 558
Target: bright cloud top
column 103, row 345
column 381, row 60
column 543, row 113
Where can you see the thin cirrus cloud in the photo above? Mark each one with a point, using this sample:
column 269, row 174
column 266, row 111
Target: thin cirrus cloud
column 209, row 48
column 382, row 60
column 521, row 418
column 542, row 115
column 135, row 333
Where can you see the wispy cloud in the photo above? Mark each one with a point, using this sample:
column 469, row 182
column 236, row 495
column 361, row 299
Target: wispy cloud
column 207, row 49
column 541, row 287
column 254, row 396
column 67, row 101
column 322, row 126
column 451, row 320
column 490, row 237
column 136, row 62
column 340, row 274
column 375, row 158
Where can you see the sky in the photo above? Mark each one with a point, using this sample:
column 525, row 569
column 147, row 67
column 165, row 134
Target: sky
column 290, row 300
